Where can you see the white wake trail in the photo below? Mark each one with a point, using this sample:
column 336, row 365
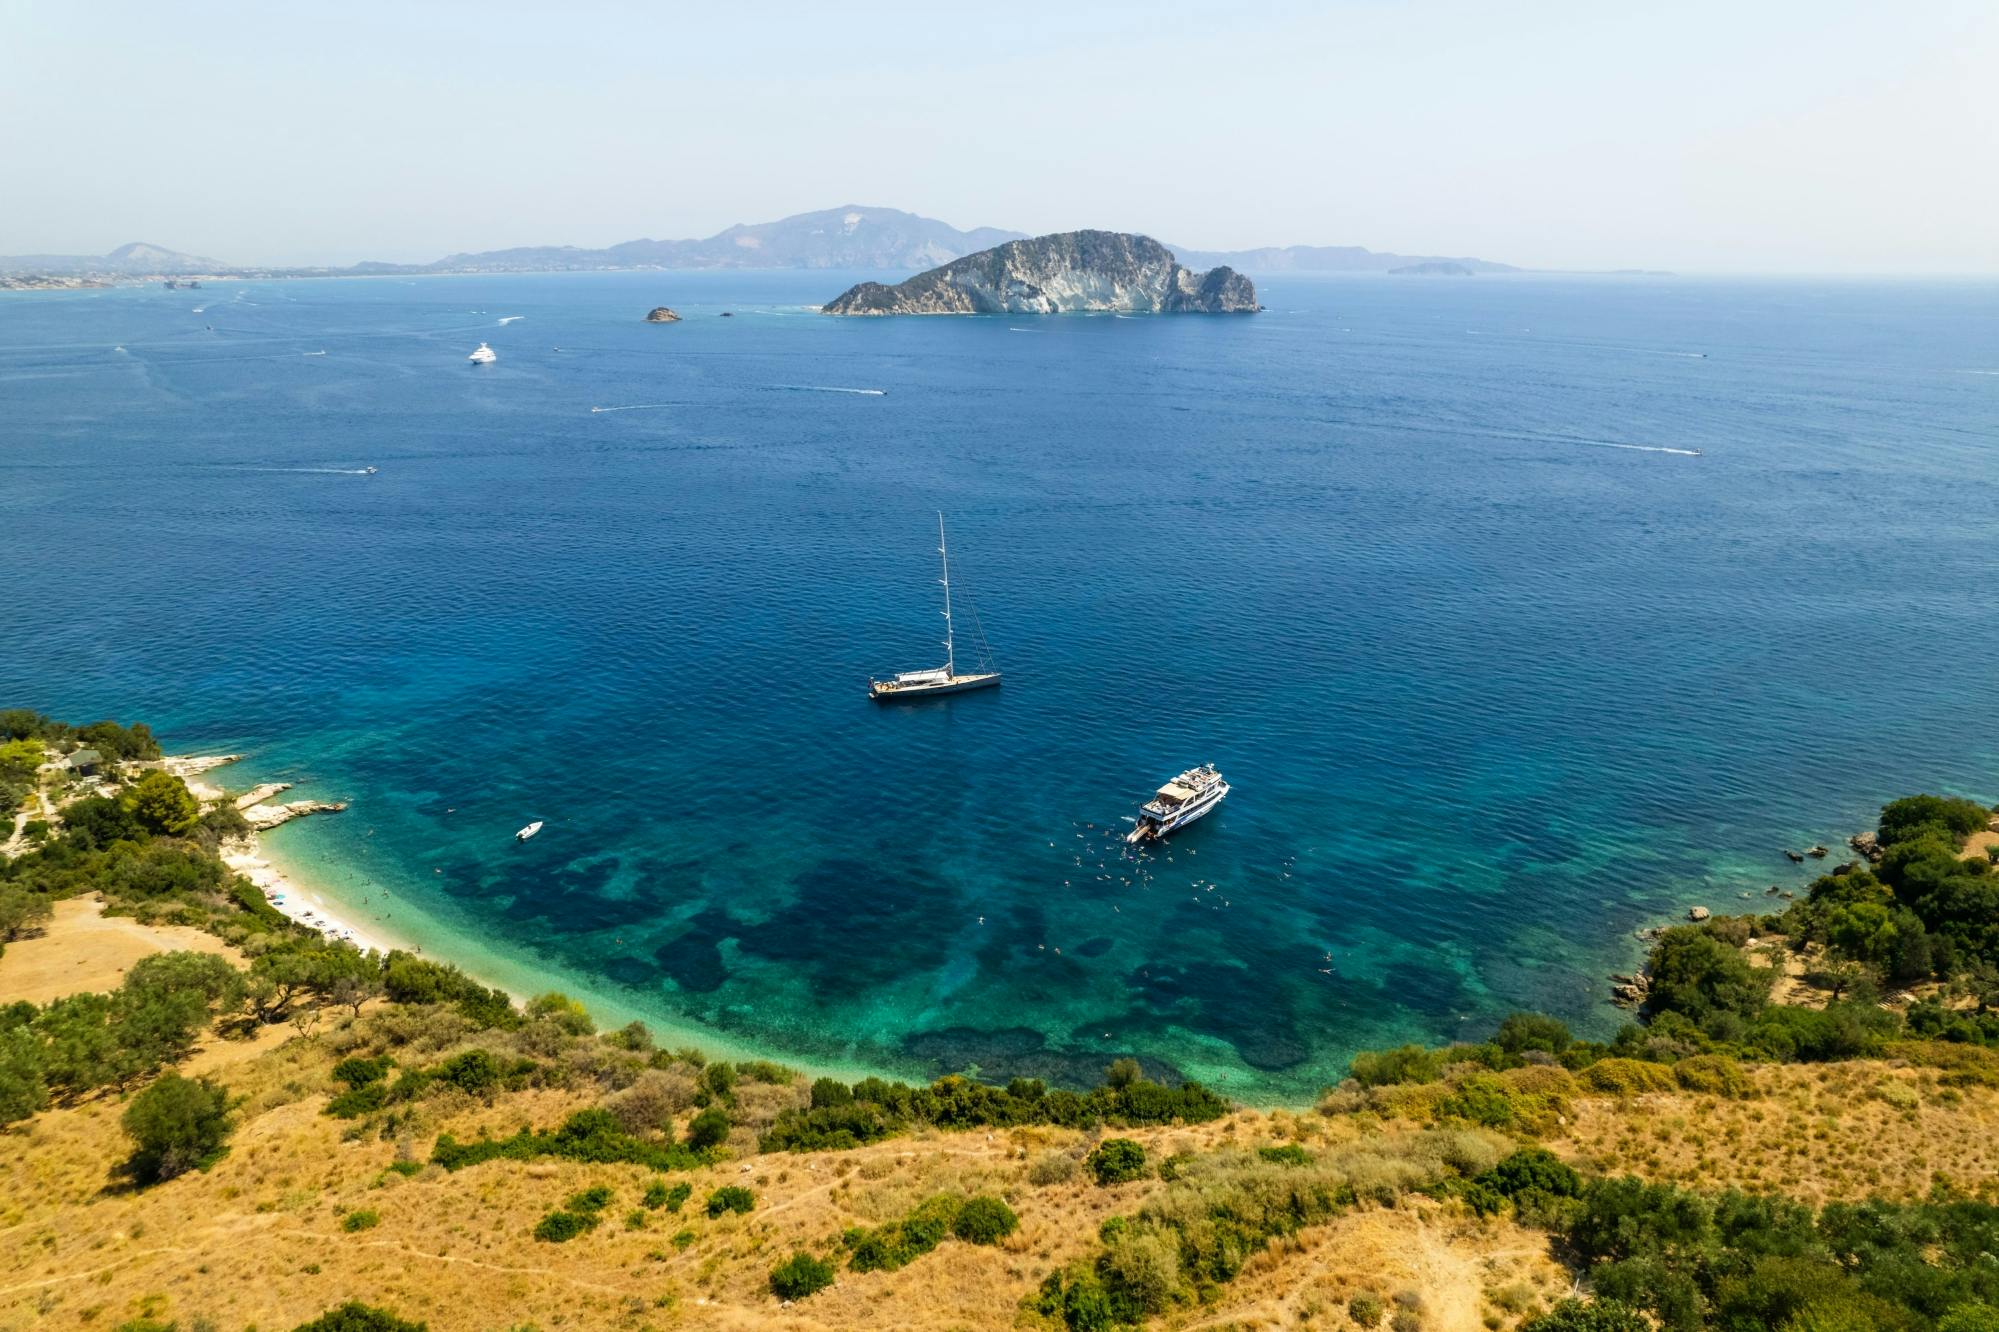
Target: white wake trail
column 832, row 388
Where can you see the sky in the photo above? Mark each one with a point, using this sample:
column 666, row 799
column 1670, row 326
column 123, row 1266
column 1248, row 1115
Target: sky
column 1761, row 137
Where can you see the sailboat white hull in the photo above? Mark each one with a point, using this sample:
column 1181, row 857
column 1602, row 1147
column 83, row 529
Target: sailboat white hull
column 891, row 691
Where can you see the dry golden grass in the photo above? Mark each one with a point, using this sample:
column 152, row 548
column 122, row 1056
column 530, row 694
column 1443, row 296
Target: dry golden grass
column 1817, row 1132
column 84, row 949
column 257, row 1240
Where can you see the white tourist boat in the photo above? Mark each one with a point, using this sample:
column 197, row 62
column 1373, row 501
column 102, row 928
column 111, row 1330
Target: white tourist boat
column 528, row 831
column 484, row 356
column 944, row 679
column 1179, row 802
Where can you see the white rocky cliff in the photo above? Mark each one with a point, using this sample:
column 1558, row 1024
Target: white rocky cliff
column 1070, row 271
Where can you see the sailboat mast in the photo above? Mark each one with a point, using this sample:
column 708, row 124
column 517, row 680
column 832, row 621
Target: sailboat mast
column 950, row 664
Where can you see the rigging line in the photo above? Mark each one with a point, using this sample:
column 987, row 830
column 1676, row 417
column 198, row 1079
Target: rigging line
column 978, row 629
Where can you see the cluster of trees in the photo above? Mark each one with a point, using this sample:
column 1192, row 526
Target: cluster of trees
column 845, row 1115
column 1695, row 1262
column 18, row 761
column 1925, row 910
column 106, row 737
column 79, row 1043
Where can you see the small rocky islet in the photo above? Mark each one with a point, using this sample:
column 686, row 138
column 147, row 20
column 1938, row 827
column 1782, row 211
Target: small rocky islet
column 660, row 314
column 1069, row 272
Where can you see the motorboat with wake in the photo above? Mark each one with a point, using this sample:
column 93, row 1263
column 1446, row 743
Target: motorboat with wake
column 484, row 356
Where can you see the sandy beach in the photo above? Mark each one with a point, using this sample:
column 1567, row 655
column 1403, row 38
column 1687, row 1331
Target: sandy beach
column 245, row 855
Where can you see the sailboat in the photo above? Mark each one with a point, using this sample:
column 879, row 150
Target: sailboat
column 944, row 679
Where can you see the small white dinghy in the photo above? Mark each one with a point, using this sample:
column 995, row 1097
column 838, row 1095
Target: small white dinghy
column 528, row 831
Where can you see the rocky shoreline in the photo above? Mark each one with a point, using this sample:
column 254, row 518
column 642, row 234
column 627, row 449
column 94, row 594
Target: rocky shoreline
column 245, row 854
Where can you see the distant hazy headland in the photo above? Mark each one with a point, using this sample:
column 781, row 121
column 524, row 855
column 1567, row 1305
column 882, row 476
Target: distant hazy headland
column 851, row 237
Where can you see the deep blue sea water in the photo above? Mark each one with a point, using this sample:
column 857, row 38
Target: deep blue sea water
column 1498, row 672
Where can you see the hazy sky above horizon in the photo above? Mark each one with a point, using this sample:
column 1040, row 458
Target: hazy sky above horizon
column 1784, row 136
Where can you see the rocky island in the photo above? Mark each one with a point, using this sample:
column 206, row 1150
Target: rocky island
column 1059, row 274
column 659, row 314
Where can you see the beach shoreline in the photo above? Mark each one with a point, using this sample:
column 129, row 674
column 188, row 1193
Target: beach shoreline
column 302, row 903
column 311, row 899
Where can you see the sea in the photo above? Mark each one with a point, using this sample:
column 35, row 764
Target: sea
column 1521, row 613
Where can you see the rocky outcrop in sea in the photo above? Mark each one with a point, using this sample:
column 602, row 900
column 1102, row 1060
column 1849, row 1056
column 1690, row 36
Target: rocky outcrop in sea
column 659, row 314
column 1071, row 271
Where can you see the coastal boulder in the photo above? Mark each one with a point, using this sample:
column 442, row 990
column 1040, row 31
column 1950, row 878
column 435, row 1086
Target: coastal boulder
column 1698, row 914
column 1071, row 271
column 659, row 314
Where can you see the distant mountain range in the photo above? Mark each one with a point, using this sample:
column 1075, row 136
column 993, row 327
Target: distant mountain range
column 135, row 260
column 850, row 237
column 853, row 237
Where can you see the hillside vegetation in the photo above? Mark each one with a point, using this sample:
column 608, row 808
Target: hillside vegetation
column 281, row 1133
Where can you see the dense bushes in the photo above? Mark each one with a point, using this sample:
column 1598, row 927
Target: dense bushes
column 799, row 1276
column 843, row 1116
column 588, row 1135
column 355, row 1316
column 886, row 1248
column 1116, row 1161
column 984, row 1219
column 1730, row 1261
column 981, row 1219
column 730, row 1198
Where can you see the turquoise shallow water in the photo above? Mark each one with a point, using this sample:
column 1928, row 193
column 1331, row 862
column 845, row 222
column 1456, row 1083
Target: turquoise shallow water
column 1496, row 675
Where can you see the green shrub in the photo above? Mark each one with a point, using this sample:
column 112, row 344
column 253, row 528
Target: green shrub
column 1288, row 1154
column 1627, row 1077
column 983, row 1219
column 592, row 1135
column 1366, row 1309
column 363, row 1219
column 1717, row 1075
column 799, row 1276
column 682, row 1239
column 710, row 1128
column 886, row 1248
column 1116, row 1161
column 730, row 1198
column 472, row 1071
column 1405, row 1063
column 591, row 1200
column 1521, row 1032
column 176, row 1125
column 355, row 1316
column 1480, row 1099
column 559, row 1227
column 1596, row 1316
column 658, row 1195
column 358, row 1072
